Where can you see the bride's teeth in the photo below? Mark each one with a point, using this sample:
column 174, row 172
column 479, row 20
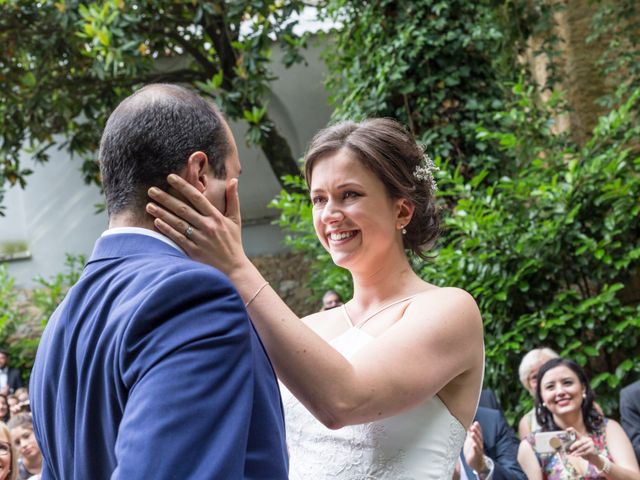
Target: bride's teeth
column 341, row 236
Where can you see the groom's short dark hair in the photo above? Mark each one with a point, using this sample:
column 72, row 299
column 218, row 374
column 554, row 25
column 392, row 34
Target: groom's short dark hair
column 151, row 134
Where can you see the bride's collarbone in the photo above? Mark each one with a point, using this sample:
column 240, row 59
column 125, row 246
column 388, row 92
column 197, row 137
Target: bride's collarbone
column 378, row 323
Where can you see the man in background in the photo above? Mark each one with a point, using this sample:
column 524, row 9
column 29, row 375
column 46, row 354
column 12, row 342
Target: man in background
column 630, row 414
column 331, row 299
column 10, row 378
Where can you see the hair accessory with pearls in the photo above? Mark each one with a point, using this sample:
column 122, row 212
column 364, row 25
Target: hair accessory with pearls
column 424, row 172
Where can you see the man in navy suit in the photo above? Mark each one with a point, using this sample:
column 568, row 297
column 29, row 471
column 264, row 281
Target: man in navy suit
column 630, row 414
column 10, row 378
column 150, row 368
column 490, row 451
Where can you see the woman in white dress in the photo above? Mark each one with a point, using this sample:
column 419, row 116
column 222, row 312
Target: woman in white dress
column 385, row 386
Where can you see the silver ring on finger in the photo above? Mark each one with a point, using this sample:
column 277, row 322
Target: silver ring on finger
column 188, row 231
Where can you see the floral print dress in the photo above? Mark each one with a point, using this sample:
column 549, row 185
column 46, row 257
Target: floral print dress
column 558, row 466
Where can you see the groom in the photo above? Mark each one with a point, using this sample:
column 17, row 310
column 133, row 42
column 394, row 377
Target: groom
column 150, row 367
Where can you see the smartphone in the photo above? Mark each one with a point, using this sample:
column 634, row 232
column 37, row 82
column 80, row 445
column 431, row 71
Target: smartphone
column 551, row 442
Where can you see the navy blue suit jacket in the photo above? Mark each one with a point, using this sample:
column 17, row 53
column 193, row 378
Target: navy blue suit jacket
column 14, row 379
column 630, row 414
column 500, row 444
column 488, row 399
column 151, row 369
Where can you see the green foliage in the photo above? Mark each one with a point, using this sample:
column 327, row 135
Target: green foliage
column 64, row 66
column 23, row 313
column 520, row 21
column 616, row 24
column 429, row 63
column 543, row 232
column 547, row 250
column 13, row 248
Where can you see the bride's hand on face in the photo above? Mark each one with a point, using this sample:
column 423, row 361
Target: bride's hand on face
column 215, row 238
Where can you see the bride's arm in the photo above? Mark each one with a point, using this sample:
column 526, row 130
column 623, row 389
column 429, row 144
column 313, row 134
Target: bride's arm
column 412, row 361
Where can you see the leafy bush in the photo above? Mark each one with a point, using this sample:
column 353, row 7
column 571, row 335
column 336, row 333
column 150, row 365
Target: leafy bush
column 23, row 313
column 428, row 63
column 548, row 248
column 542, row 231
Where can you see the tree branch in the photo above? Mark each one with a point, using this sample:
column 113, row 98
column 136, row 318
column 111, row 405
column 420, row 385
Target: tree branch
column 197, row 55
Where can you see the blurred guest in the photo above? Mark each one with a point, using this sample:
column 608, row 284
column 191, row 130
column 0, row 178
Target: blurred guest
column 630, row 414
column 488, row 399
column 23, row 405
column 12, row 401
column 565, row 401
column 24, row 441
column 5, row 413
column 18, row 404
column 331, row 299
column 22, row 394
column 8, row 457
column 10, row 378
column 491, row 449
column 528, row 373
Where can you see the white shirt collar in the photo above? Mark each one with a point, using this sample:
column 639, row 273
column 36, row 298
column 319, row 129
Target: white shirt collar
column 142, row 231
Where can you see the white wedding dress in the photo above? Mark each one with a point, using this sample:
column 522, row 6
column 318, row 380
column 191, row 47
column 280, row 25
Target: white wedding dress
column 422, row 443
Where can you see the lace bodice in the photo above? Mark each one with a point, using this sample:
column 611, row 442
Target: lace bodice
column 423, row 443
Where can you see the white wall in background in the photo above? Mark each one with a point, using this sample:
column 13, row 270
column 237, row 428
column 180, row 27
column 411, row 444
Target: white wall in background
column 55, row 214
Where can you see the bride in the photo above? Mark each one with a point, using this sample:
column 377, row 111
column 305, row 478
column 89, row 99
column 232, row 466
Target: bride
column 385, row 386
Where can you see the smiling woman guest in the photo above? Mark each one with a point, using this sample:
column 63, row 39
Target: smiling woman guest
column 386, row 385
column 8, row 457
column 565, row 401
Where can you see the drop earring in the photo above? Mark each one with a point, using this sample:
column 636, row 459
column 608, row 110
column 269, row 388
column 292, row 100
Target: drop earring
column 404, row 230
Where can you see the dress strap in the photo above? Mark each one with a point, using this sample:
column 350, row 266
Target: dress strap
column 361, row 323
column 346, row 316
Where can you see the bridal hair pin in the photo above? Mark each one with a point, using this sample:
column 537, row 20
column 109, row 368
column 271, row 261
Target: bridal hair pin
column 424, row 172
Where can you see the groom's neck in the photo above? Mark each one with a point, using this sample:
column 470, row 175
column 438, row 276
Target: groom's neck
column 130, row 219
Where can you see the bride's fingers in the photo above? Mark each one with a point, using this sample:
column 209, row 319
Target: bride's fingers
column 174, row 212
column 199, row 202
column 233, row 201
column 173, row 222
column 181, row 239
column 166, row 203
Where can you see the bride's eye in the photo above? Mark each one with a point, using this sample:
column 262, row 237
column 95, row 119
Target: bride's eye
column 317, row 199
column 350, row 194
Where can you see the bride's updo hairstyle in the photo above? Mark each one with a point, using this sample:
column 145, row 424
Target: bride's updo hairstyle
column 392, row 154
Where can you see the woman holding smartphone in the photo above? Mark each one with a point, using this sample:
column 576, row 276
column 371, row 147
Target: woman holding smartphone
column 565, row 406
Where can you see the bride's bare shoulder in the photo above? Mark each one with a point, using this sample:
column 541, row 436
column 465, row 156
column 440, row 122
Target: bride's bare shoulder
column 447, row 301
column 453, row 293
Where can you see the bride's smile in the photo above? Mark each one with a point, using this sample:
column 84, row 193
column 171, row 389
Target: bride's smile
column 353, row 213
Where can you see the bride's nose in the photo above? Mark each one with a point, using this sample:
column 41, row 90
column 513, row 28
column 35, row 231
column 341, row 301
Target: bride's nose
column 331, row 213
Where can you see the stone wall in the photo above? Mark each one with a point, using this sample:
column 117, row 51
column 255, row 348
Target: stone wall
column 288, row 274
column 583, row 83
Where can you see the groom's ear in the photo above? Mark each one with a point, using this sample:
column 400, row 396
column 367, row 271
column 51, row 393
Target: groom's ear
column 196, row 170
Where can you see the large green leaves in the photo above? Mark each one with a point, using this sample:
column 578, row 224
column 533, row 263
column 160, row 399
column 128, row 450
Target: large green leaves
column 64, row 65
